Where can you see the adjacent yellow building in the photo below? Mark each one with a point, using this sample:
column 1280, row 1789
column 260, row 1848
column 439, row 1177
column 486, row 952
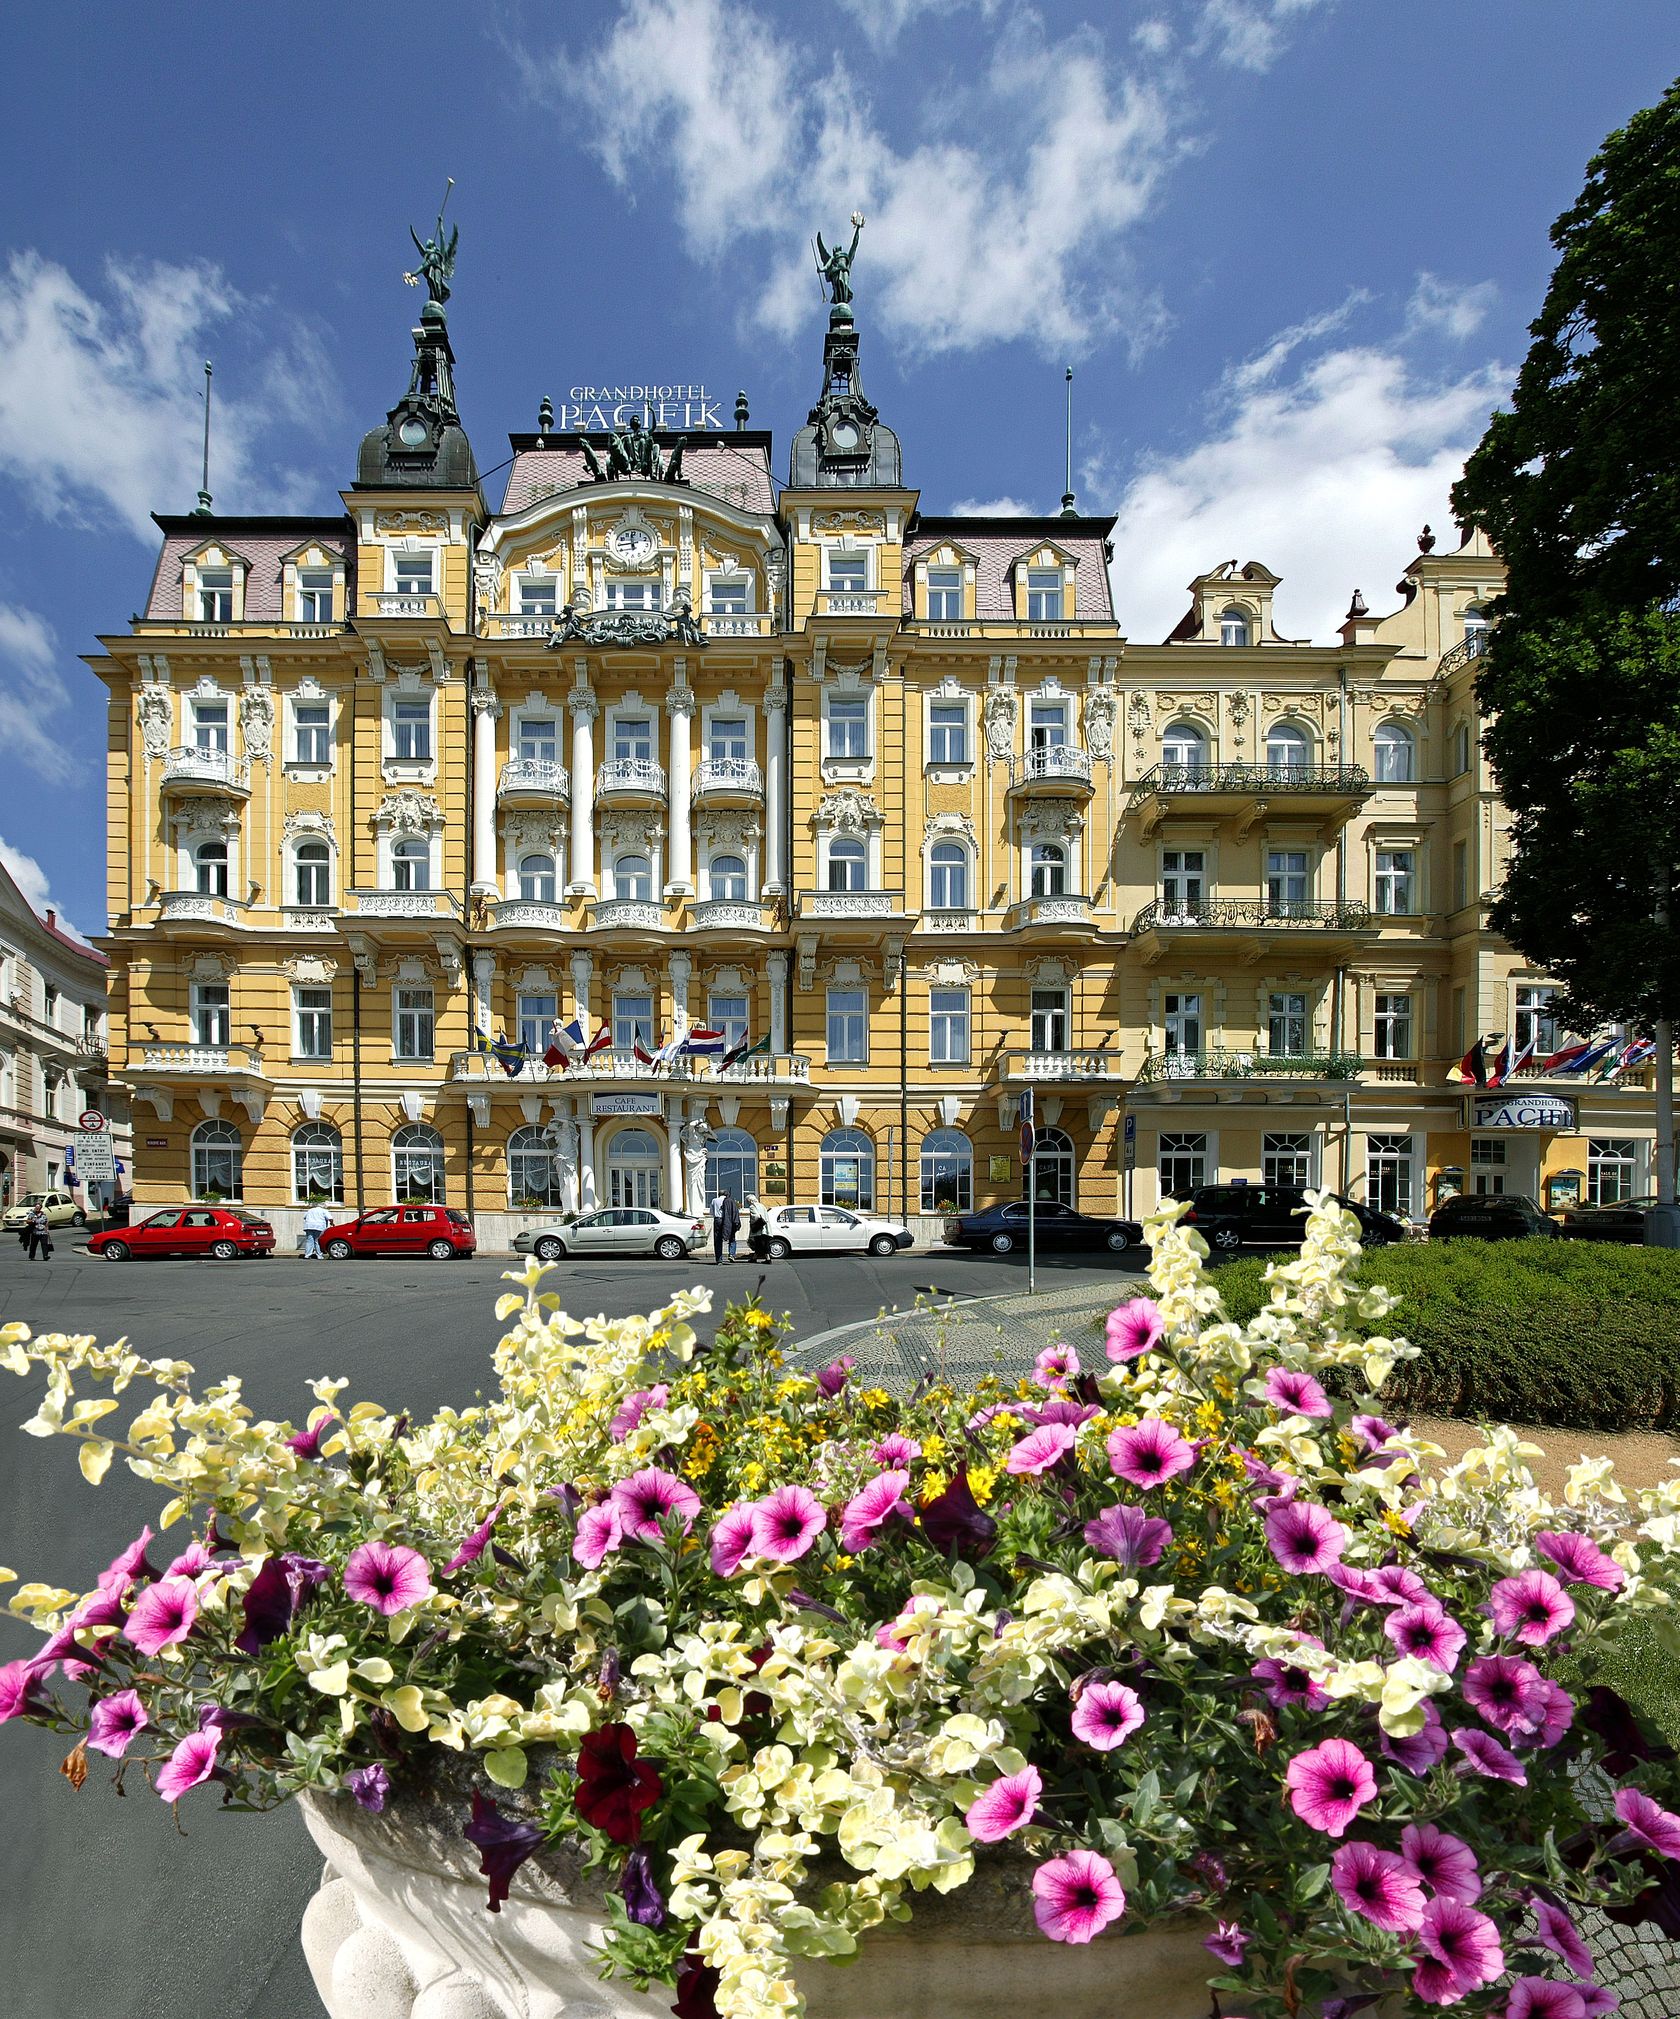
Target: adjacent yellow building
column 887, row 799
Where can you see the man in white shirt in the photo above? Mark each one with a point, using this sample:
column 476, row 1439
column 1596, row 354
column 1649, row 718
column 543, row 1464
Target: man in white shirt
column 316, row 1221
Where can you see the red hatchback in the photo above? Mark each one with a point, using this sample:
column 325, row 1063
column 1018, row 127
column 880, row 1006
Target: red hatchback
column 438, row 1231
column 221, row 1231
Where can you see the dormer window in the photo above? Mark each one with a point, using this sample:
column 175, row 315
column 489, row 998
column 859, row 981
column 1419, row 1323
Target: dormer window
column 1044, row 595
column 944, row 595
column 315, row 596
column 413, row 573
column 536, row 595
column 1233, row 628
column 215, row 595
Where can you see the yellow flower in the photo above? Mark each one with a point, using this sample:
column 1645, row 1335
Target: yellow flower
column 981, row 1480
column 932, row 1487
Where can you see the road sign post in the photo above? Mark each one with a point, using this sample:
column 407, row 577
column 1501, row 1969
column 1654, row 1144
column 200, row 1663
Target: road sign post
column 1029, row 1168
column 1129, row 1136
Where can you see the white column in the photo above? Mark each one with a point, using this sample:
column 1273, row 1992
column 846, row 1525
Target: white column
column 682, row 971
column 586, row 1156
column 679, row 704
column 775, row 787
column 486, row 712
column 484, row 981
column 583, row 974
column 584, row 709
column 778, row 964
column 673, row 1154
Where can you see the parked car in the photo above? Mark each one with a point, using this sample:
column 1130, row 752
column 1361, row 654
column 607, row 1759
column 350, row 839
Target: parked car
column 61, row 1210
column 614, row 1230
column 1004, row 1229
column 438, row 1231
column 1229, row 1217
column 225, row 1232
column 833, row 1230
column 1490, row 1216
column 1624, row 1221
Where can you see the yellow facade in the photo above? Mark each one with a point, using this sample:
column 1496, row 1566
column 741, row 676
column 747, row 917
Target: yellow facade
column 890, row 795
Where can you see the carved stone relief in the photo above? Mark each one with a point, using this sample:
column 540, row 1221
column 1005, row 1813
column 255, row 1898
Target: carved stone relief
column 1000, row 711
column 1100, row 710
column 409, row 813
column 256, row 720
column 848, row 812
column 157, row 714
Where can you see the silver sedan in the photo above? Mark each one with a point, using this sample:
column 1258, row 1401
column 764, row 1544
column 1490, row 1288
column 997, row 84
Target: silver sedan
column 614, row 1230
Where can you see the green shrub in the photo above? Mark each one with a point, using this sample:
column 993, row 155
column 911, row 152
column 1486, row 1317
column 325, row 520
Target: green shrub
column 1566, row 1333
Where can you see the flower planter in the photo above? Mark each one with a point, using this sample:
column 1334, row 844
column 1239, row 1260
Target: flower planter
column 399, row 1930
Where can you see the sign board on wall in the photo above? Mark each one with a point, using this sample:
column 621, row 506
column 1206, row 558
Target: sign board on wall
column 999, row 1170
column 625, row 1104
column 1522, row 1110
column 157, row 1142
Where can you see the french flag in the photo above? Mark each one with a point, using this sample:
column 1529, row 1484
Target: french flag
column 701, row 1041
column 563, row 1041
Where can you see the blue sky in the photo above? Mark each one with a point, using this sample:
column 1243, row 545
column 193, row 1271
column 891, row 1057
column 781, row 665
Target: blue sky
column 1289, row 246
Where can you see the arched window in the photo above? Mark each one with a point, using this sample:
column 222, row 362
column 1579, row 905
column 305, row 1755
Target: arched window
column 533, row 1171
column 312, row 865
column 1477, row 624
column 411, row 864
column 1288, row 750
column 1053, row 1167
column 1396, row 749
column 636, row 1171
column 1184, row 752
column 1049, row 869
column 210, row 865
column 1233, row 628
column 633, row 877
column 417, row 1163
column 948, row 877
column 536, row 878
column 947, row 1172
column 848, row 1170
column 731, row 1165
column 848, row 865
column 728, row 874
column 218, row 1161
column 317, row 1163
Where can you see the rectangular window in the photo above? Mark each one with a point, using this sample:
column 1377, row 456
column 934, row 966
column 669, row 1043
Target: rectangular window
column 1286, row 1157
column 726, row 739
column 729, row 595
column 210, row 1013
column 1612, row 1169
column 1487, row 1165
column 414, row 1023
column 632, row 1021
column 1181, row 1019
column 848, row 1027
column 1390, row 1174
column 728, row 1013
column 633, row 738
column 944, row 593
column 1461, row 749
column 1182, row 878
column 210, row 725
column 315, row 596
column 1538, row 1028
column 312, row 1013
column 948, row 732
column 1461, row 874
column 948, row 1026
column 413, row 574
column 1044, row 595
column 1182, row 1165
column 1460, row 1021
column 1395, row 879
column 636, row 595
column 1393, row 1032
column 539, row 739
column 536, row 1013
column 1287, row 887
column 848, row 725
column 536, row 596
column 1049, row 1020
column 848, row 574
column 1047, row 727
column 215, row 595
column 1286, row 1026
column 312, row 729
column 411, row 731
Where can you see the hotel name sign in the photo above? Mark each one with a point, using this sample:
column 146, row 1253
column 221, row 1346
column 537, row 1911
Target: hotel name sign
column 602, row 409
column 1522, row 1111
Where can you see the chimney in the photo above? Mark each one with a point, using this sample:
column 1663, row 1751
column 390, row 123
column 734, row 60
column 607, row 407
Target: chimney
column 52, row 918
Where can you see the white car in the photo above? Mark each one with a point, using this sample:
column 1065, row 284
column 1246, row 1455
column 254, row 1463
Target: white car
column 832, row 1230
column 614, row 1230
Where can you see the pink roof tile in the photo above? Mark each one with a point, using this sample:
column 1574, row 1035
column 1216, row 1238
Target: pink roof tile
column 262, row 545
column 997, row 544
column 740, row 476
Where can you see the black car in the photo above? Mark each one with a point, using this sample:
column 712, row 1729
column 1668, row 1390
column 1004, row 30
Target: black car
column 1623, row 1221
column 1003, row 1229
column 1489, row 1216
column 1229, row 1217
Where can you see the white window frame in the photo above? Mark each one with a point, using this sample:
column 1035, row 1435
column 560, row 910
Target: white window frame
column 302, row 1011
column 729, row 854
column 737, row 589
column 1285, row 1019
column 1304, row 1165
column 628, row 1019
column 550, row 861
column 939, row 764
column 542, row 588
column 1197, row 1149
column 427, row 857
column 1189, row 737
column 846, row 556
column 730, row 1010
column 1398, row 1155
column 1236, row 628
column 210, row 1005
column 851, row 992
column 1624, row 1161
column 1396, row 737
column 1393, row 1024
column 936, row 901
column 1029, row 868
column 1526, row 1015
column 310, row 579
column 403, row 559
column 950, row 1024
column 1388, row 882
column 1047, row 1020
column 1038, row 589
column 294, row 900
column 409, row 770
column 296, row 762
column 848, row 763
column 952, row 584
column 412, row 1020
column 530, row 718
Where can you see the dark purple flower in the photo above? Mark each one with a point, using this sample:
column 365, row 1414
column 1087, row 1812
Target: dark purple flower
column 643, row 1901
column 1610, row 1717
column 1226, row 1944
column 1422, row 1750
column 1129, row 1535
column 503, row 1846
column 282, row 1587
column 307, row 1443
column 697, row 1988
column 836, row 1374
column 1484, row 1755
column 956, row 1524
column 473, row 1548
column 1507, row 1692
column 1285, row 1684
column 1372, row 1431
column 1060, row 1410
column 1557, row 1932
column 370, row 1786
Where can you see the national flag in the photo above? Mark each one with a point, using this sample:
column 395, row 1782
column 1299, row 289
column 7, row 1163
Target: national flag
column 510, row 1056
column 1508, row 1063
column 1638, row 1053
column 598, row 1043
column 1473, row 1067
column 1580, row 1056
column 639, row 1052
column 563, row 1041
column 701, row 1041
column 741, row 1051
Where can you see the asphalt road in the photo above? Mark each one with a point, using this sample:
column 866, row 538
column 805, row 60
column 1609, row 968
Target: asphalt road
column 104, row 1907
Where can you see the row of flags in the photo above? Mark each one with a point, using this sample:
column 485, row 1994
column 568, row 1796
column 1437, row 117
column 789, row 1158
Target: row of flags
column 1492, row 1061
column 568, row 1046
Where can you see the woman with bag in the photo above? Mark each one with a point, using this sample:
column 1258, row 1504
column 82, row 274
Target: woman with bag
column 758, row 1231
column 39, row 1232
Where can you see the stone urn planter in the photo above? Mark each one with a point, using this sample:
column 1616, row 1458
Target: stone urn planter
column 399, row 1930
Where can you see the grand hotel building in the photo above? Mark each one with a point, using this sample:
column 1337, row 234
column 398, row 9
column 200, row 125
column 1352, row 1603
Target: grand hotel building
column 891, row 794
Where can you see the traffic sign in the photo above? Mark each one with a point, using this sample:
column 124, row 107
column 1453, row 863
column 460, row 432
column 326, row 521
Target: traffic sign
column 1029, row 1142
column 93, row 1121
column 96, row 1160
column 1130, row 1141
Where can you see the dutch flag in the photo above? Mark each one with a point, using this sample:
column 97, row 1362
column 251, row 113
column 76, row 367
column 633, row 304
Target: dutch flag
column 703, row 1042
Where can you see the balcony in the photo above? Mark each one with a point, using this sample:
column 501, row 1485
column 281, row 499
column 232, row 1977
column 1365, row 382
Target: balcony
column 520, row 624
column 402, row 603
column 736, row 624
column 309, row 918
column 630, row 781
column 1242, row 793
column 402, row 916
column 1064, row 1068
column 731, row 916
column 528, row 914
column 769, row 1069
column 848, row 603
column 534, row 781
column 638, row 916
column 945, row 920
column 215, row 1065
column 727, row 781
column 1052, row 771
column 191, row 772
column 1254, row 925
column 852, row 907
column 199, row 914
column 1234, row 1065
column 1057, row 917
column 1468, row 648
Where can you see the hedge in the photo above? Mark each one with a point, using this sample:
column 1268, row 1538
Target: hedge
column 1569, row 1334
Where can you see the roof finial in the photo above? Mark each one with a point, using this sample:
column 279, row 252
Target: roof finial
column 1068, row 508
column 1426, row 540
column 436, row 267
column 741, row 413
column 834, row 268
column 545, row 415
column 202, row 510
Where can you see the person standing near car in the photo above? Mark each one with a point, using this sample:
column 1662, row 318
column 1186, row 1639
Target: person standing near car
column 726, row 1225
column 758, row 1231
column 39, row 1230
column 316, row 1221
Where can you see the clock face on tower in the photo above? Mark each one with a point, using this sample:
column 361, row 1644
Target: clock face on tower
column 413, row 433
column 844, row 438
column 632, row 543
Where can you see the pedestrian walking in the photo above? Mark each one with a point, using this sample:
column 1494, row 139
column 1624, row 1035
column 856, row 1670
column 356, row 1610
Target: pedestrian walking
column 39, row 1231
column 726, row 1225
column 316, row 1221
column 758, row 1230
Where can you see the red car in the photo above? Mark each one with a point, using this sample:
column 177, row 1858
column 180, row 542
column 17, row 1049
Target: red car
column 221, row 1231
column 438, row 1231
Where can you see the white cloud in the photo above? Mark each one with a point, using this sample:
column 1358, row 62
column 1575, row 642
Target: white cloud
column 1154, row 36
column 1246, row 34
column 884, row 21
column 1267, row 363
column 100, row 411
column 1456, row 311
column 33, row 695
column 31, row 879
column 992, row 508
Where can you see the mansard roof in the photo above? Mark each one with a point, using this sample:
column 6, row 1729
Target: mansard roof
column 733, row 468
column 263, row 544
column 996, row 544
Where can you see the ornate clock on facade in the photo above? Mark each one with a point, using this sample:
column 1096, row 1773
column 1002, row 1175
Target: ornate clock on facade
column 414, row 433
column 632, row 543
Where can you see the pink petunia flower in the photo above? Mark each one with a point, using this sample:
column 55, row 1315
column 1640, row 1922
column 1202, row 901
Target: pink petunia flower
column 116, row 1722
column 1351, row 1580
column 1544, row 1998
column 1532, row 1607
column 1484, row 1756
column 192, row 1761
column 1506, row 1692
column 634, row 1407
column 1428, row 1631
column 867, row 1513
column 1076, row 1896
column 1422, row 1751
column 128, row 1566
column 1400, row 1586
column 835, row 1375
column 163, row 1614
column 1305, row 1537
column 650, row 1497
column 1056, row 1365
column 193, row 1561
column 1040, row 1449
column 1445, row 1863
column 1557, row 1715
column 1296, row 1393
column 388, row 1577
column 1008, row 1805
column 1329, row 1784
column 896, row 1449
column 600, row 1530
column 1130, row 1536
column 1463, row 1942
column 1286, row 1684
column 1227, row 1943
column 1557, row 1932
column 1579, row 1559
column 1378, row 1886
column 786, row 1523
column 20, row 1683
column 475, row 1544
column 731, row 1538
column 1657, row 1828
column 895, row 1634
column 1150, row 1452
column 1372, row 1431
column 1135, row 1329
column 1105, row 1714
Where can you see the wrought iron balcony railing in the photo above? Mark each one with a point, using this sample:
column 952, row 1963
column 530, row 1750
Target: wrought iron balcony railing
column 1219, row 1064
column 1324, row 780
column 1251, row 914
